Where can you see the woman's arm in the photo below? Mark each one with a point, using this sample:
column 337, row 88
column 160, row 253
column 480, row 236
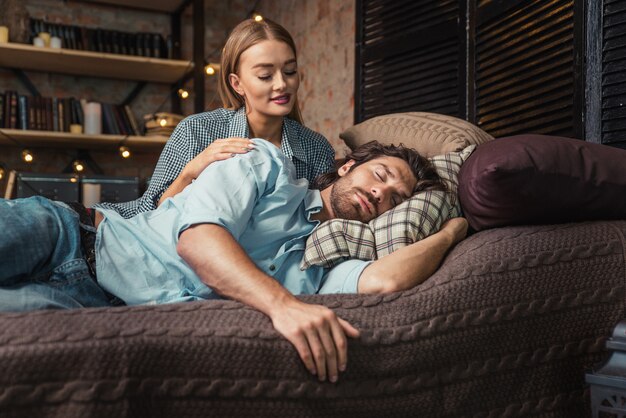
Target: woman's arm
column 220, row 149
column 411, row 265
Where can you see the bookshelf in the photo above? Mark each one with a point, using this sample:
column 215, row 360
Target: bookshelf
column 167, row 6
column 82, row 141
column 95, row 64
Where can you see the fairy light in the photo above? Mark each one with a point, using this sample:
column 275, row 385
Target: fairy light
column 183, row 93
column 27, row 156
column 2, row 172
column 209, row 70
column 125, row 152
column 257, row 17
column 79, row 167
column 163, row 122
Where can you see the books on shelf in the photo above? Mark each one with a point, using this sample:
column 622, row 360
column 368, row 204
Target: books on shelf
column 56, row 114
column 144, row 44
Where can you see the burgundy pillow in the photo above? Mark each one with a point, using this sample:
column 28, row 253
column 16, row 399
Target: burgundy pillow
column 534, row 179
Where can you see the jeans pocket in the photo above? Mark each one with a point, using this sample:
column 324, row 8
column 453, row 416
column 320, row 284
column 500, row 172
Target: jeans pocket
column 68, row 273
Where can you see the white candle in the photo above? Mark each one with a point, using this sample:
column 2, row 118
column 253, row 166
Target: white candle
column 55, row 42
column 93, row 118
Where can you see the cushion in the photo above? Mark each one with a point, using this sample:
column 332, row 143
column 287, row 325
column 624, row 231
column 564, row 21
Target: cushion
column 539, row 179
column 338, row 239
column 431, row 134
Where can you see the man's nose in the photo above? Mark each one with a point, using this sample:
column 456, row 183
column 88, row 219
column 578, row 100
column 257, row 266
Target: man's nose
column 380, row 192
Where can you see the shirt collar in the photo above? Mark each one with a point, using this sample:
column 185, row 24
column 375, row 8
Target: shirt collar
column 312, row 203
column 290, row 143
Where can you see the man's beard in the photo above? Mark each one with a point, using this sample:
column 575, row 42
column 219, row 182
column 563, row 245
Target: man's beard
column 342, row 201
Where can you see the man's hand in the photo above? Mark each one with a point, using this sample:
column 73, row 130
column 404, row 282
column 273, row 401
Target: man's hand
column 318, row 335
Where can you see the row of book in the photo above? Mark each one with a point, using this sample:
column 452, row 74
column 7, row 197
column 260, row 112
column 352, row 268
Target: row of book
column 142, row 44
column 57, row 114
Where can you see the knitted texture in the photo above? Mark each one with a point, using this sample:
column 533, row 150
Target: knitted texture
column 506, row 327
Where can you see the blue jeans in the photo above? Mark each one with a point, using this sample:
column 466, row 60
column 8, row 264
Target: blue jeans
column 41, row 261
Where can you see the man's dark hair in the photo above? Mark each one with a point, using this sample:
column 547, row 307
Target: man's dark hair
column 424, row 171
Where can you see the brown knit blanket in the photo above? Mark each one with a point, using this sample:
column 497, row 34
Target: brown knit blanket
column 507, row 327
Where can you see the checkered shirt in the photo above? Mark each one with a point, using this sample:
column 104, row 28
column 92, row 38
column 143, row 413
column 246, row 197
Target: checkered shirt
column 310, row 152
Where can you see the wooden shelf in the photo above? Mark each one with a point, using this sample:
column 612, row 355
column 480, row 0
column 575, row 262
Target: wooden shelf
column 95, row 64
column 167, row 6
column 94, row 142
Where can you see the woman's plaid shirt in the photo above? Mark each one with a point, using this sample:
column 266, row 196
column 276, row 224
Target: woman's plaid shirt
column 310, row 152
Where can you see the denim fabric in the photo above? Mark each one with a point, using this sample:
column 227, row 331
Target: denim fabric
column 41, row 261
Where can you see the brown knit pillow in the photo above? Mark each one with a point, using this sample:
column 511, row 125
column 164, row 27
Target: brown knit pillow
column 430, row 134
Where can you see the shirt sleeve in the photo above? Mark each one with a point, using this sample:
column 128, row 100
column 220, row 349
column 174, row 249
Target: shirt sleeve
column 226, row 194
column 343, row 278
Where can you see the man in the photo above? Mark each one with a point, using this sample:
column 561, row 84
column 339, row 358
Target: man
column 239, row 232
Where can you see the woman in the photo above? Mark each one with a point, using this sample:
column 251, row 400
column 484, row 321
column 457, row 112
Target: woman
column 258, row 86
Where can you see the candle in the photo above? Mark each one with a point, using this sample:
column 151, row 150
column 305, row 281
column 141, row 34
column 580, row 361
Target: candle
column 93, row 118
column 4, row 34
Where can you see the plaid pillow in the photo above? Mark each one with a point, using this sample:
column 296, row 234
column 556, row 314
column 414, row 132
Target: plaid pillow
column 335, row 240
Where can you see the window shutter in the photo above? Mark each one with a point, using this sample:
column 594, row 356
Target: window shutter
column 614, row 72
column 525, row 67
column 407, row 57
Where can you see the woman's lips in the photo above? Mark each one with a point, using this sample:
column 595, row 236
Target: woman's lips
column 281, row 100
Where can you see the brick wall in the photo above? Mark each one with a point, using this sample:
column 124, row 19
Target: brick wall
column 323, row 31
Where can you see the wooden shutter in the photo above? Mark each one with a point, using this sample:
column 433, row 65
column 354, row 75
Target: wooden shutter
column 525, row 67
column 407, row 57
column 614, row 73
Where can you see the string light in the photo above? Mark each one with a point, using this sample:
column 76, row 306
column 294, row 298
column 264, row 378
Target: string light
column 125, row 152
column 79, row 167
column 27, row 156
column 211, row 68
column 183, row 93
column 257, row 17
column 163, row 122
column 2, row 172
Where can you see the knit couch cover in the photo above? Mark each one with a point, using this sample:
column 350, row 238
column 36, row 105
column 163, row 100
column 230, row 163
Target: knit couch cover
column 507, row 326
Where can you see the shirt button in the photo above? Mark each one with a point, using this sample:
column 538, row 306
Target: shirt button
column 272, row 267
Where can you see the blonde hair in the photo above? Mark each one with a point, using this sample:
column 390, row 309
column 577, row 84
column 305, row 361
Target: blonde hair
column 246, row 34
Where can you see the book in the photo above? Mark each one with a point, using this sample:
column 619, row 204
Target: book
column 67, row 113
column 119, row 122
column 22, row 112
column 13, row 111
column 132, row 120
column 48, row 113
column 61, row 113
column 1, row 110
column 55, row 114
column 109, row 125
column 30, row 100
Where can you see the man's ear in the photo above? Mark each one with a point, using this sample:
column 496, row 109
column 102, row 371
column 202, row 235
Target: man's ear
column 233, row 79
column 343, row 170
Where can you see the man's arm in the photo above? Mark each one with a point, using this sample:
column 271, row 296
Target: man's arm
column 317, row 333
column 411, row 265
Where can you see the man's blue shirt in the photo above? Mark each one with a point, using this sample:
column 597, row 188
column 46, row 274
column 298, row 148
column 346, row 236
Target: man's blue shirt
column 256, row 197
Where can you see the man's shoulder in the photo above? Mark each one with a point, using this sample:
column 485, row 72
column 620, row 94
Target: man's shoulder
column 265, row 151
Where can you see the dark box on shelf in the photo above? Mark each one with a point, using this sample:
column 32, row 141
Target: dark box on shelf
column 96, row 189
column 63, row 187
